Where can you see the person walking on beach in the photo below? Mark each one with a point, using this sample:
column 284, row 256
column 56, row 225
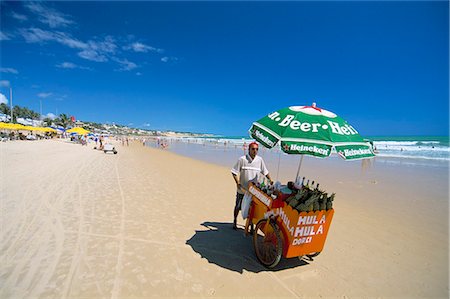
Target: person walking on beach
column 248, row 167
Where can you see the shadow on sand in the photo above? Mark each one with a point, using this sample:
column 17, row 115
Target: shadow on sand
column 231, row 249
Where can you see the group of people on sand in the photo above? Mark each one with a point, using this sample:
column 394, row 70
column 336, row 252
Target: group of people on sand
column 125, row 141
column 99, row 140
column 162, row 143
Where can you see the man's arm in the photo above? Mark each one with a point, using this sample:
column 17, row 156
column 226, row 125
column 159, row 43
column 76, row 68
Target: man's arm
column 236, row 180
column 265, row 171
column 270, row 180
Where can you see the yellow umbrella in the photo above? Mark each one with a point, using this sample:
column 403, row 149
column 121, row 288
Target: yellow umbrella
column 78, row 130
column 28, row 128
column 5, row 125
column 42, row 129
column 17, row 127
column 47, row 129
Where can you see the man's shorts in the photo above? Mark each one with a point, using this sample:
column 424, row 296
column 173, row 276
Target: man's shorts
column 239, row 198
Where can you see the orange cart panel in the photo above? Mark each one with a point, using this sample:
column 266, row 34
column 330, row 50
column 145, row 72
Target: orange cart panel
column 304, row 233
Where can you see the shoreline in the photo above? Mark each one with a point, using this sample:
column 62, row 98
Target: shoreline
column 149, row 222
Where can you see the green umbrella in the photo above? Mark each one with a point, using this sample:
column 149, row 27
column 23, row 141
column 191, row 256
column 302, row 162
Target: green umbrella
column 309, row 130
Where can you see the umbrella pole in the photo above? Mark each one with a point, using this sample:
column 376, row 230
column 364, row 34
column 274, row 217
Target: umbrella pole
column 278, row 169
column 299, row 166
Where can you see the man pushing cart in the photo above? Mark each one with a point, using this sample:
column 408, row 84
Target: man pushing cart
column 293, row 220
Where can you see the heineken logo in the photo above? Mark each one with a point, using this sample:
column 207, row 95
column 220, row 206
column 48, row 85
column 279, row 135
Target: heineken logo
column 263, row 138
column 309, row 148
column 288, row 121
column 356, row 152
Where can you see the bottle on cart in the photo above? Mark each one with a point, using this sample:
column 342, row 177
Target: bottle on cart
column 261, row 183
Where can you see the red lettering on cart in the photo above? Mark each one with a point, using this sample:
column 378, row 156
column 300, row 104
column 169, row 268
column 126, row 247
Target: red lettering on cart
column 307, row 220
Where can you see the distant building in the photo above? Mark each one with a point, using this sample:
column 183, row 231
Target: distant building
column 29, row 122
column 4, row 117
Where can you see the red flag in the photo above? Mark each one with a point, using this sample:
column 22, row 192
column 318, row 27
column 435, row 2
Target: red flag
column 72, row 118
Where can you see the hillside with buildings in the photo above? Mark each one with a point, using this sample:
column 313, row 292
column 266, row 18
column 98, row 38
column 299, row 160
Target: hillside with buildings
column 28, row 117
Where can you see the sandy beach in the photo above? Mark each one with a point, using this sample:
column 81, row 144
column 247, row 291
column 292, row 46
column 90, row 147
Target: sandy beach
column 78, row 223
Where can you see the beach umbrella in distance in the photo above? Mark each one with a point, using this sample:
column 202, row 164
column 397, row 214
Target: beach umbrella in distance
column 309, row 130
column 29, row 128
column 48, row 129
column 7, row 126
column 17, row 127
column 11, row 126
column 78, row 130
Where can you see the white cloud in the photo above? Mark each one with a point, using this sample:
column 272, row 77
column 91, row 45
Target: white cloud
column 19, row 16
column 44, row 95
column 146, row 125
column 107, row 45
column 67, row 65
column 4, row 83
column 3, row 99
column 8, row 70
column 50, row 115
column 92, row 55
column 70, row 65
column 167, row 59
column 94, row 50
column 140, row 47
column 49, row 16
column 138, row 74
column 4, row 36
column 37, row 35
column 126, row 65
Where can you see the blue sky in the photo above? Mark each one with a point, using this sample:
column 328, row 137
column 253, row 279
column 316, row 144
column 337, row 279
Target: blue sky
column 215, row 67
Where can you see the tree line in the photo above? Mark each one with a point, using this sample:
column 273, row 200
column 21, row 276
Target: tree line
column 23, row 112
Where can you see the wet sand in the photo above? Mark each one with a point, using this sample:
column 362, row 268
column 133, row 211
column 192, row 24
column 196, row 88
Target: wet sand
column 149, row 223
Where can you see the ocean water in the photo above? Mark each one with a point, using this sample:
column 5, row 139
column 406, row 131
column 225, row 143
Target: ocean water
column 413, row 147
column 407, row 147
column 429, row 151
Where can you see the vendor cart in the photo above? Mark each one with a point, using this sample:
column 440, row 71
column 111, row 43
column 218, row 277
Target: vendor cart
column 109, row 148
column 283, row 231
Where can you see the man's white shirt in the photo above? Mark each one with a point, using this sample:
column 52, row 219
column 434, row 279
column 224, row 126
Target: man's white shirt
column 248, row 169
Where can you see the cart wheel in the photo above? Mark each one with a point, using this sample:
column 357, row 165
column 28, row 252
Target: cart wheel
column 104, row 152
column 268, row 246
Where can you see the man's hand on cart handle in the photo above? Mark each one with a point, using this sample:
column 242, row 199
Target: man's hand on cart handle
column 240, row 187
column 270, row 180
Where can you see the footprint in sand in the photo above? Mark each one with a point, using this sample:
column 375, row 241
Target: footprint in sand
column 197, row 288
